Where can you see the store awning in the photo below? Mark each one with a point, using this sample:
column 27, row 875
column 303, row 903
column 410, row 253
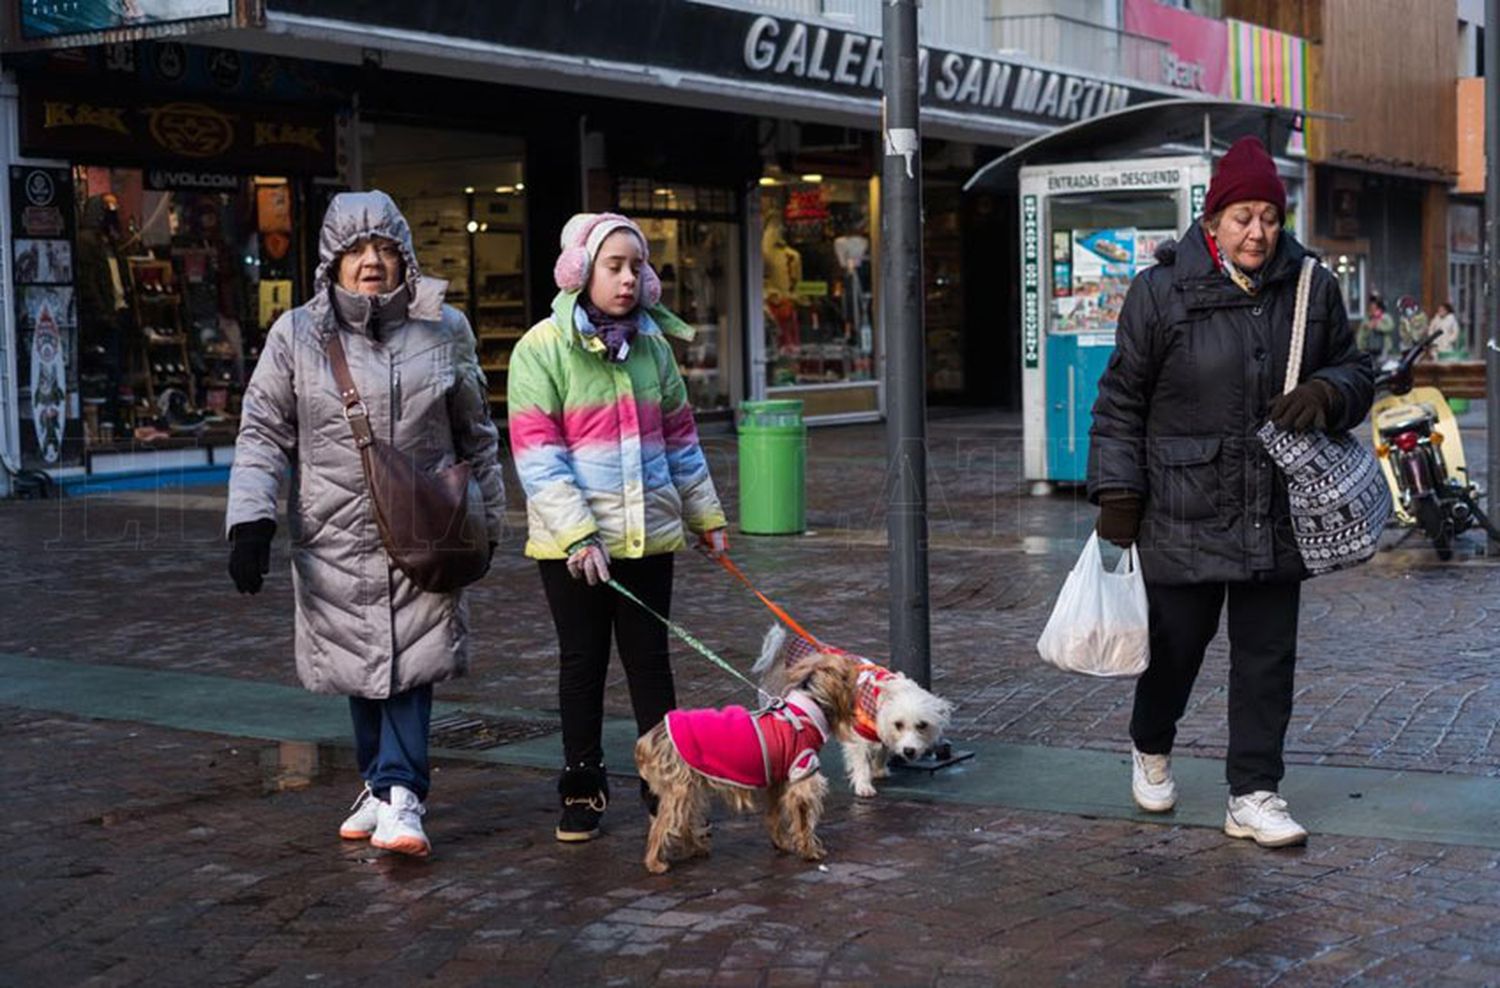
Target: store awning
column 1149, row 126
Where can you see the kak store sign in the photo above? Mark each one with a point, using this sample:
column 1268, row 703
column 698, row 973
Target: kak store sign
column 211, row 137
column 1199, row 55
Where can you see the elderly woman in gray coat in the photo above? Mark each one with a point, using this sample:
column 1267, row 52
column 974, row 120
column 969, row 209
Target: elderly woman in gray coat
column 363, row 628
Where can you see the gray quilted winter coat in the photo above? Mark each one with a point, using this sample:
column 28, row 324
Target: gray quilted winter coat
column 363, row 628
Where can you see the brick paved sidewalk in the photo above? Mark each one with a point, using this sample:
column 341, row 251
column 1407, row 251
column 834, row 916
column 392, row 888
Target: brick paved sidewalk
column 1397, row 668
column 155, row 857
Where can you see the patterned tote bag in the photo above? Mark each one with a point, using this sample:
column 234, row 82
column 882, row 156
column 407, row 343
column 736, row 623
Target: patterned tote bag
column 1338, row 497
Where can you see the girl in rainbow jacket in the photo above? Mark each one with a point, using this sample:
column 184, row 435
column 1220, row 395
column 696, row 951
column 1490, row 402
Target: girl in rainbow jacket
column 607, row 452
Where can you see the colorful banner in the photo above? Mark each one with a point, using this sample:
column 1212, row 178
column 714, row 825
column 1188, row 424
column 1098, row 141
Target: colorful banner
column 78, row 23
column 1199, row 57
column 46, row 315
column 1471, row 136
column 1268, row 66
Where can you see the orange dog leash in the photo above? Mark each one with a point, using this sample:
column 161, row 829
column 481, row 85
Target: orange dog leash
column 771, row 605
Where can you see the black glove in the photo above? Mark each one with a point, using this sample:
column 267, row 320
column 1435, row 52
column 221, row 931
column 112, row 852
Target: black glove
column 250, row 553
column 1310, row 405
column 1119, row 517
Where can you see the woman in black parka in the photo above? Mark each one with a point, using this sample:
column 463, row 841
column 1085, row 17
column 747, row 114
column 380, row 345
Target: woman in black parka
column 1200, row 357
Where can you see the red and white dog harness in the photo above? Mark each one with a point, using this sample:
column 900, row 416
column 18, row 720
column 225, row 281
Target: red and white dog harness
column 751, row 749
column 871, row 680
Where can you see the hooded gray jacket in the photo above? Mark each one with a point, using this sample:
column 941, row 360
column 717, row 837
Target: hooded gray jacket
column 363, row 628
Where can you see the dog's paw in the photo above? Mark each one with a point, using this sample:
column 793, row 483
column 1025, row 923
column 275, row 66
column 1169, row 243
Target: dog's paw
column 814, row 851
column 864, row 790
column 657, row 866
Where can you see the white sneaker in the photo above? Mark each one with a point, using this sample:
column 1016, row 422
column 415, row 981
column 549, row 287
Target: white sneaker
column 1262, row 816
column 361, row 823
column 398, row 824
column 1151, row 781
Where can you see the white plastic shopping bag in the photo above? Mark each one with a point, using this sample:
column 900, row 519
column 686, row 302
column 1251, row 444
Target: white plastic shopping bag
column 1099, row 626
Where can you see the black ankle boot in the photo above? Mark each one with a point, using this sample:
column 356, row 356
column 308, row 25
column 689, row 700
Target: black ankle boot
column 584, row 790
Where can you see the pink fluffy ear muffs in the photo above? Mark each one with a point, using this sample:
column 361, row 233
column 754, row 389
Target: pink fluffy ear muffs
column 571, row 272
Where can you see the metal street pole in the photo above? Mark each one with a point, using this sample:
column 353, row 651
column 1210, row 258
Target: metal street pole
column 1492, row 248
column 905, row 359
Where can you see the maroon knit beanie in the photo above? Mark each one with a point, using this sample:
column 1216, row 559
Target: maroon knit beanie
column 1246, row 172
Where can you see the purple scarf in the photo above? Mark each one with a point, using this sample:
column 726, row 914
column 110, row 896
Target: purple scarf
column 617, row 333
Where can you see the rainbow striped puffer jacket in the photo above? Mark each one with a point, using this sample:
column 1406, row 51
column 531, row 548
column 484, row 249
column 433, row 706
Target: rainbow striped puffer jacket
column 606, row 448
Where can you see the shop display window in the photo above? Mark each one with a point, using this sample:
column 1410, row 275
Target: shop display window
column 464, row 196
column 1349, row 269
column 942, row 270
column 1099, row 243
column 167, row 280
column 817, row 280
column 694, row 237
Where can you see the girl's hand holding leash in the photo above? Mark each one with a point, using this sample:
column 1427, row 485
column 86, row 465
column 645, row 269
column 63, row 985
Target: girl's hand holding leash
column 589, row 561
column 714, row 543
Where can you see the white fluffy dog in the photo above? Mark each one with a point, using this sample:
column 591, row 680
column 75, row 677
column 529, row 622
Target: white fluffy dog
column 893, row 713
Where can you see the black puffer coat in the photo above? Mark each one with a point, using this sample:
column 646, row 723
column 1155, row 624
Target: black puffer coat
column 1197, row 363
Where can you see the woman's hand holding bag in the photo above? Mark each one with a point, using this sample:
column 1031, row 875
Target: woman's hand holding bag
column 1100, row 624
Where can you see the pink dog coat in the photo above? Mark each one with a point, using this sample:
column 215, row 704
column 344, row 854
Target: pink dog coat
column 749, row 749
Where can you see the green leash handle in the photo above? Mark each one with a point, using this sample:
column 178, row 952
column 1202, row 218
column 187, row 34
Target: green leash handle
column 692, row 642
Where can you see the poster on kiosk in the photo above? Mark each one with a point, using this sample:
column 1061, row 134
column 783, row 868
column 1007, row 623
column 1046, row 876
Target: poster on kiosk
column 1086, row 231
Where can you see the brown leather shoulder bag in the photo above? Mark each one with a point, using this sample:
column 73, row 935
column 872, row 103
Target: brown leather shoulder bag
column 432, row 529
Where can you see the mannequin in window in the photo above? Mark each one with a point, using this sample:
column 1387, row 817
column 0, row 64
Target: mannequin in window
column 103, row 311
column 783, row 270
column 851, row 251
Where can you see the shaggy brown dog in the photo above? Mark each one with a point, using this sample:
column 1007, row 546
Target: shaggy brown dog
column 791, row 807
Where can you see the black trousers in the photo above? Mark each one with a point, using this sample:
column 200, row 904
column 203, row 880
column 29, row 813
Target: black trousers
column 1262, row 657
column 585, row 618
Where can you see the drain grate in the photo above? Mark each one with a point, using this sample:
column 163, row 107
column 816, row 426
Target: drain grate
column 464, row 731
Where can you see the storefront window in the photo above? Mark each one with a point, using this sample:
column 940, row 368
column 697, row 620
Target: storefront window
column 1350, row 271
column 694, row 235
column 942, row 269
column 817, row 265
column 170, row 315
column 464, row 196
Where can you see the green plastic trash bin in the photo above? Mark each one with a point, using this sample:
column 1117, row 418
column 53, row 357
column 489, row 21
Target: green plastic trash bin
column 773, row 467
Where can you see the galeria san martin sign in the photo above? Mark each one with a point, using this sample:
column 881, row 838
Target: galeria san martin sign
column 797, row 52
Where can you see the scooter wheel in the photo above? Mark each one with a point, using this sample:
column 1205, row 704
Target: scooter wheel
column 1435, row 523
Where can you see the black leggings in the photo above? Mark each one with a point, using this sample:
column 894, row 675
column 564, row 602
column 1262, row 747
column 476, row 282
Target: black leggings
column 584, row 617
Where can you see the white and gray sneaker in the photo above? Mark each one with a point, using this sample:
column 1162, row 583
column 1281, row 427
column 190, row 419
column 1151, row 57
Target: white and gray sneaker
column 1151, row 781
column 360, row 824
column 1262, row 817
column 398, row 824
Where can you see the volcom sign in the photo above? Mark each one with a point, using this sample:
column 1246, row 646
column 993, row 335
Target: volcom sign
column 169, row 178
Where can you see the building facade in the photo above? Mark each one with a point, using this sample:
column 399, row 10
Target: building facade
column 744, row 135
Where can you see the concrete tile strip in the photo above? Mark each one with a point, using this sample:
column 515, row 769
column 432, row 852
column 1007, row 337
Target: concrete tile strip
column 1359, row 802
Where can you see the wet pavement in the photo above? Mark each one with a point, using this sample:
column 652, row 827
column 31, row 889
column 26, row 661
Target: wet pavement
column 148, row 856
column 201, row 852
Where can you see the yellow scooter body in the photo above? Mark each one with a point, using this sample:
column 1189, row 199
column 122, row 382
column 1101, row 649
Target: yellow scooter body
column 1394, row 409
